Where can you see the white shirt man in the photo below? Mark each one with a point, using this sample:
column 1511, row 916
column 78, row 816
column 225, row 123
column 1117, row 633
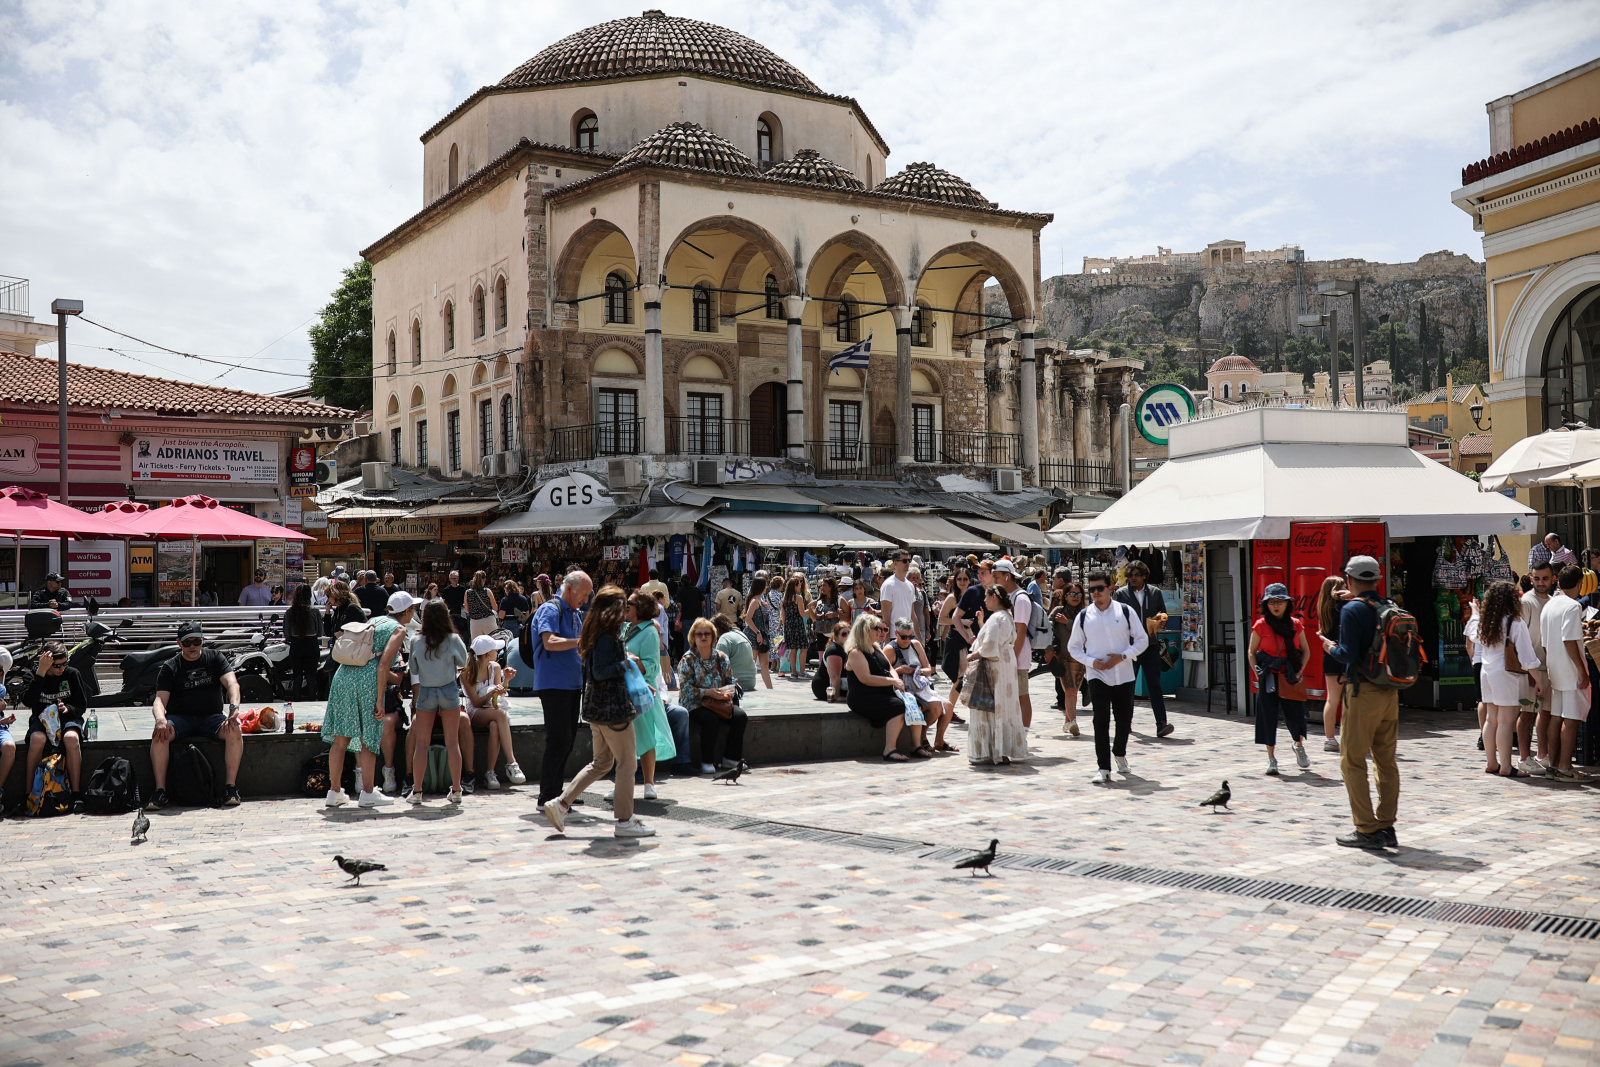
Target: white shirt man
column 1106, row 639
column 1561, row 630
column 1535, row 684
column 898, row 596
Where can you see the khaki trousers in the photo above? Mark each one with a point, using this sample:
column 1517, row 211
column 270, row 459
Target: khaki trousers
column 611, row 747
column 1371, row 724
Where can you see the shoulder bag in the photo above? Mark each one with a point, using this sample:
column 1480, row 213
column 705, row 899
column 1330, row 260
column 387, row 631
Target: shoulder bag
column 606, row 702
column 1513, row 661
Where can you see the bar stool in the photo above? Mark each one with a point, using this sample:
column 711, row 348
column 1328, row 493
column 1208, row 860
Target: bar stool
column 1219, row 672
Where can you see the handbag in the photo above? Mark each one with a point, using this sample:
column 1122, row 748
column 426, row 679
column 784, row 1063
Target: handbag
column 353, row 645
column 1513, row 661
column 1499, row 567
column 980, row 690
column 639, row 691
column 606, row 701
column 717, row 704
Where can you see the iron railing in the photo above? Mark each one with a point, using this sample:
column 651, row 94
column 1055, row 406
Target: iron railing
column 851, row 459
column 624, row 437
column 1079, row 477
column 13, row 295
column 689, row 435
column 967, row 448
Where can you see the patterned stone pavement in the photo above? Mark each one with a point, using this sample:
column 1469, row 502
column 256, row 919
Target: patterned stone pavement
column 231, row 939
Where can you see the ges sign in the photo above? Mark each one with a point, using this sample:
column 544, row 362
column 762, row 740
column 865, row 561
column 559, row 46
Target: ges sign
column 570, row 493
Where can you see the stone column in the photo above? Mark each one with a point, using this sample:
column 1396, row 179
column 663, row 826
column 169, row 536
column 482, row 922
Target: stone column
column 902, row 384
column 1049, row 445
column 655, row 416
column 1028, row 399
column 1115, row 398
column 794, row 307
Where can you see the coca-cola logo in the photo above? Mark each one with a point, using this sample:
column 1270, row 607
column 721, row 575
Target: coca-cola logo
column 1311, row 539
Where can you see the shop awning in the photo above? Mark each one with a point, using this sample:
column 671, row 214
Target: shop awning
column 922, row 531
column 1066, row 533
column 352, row 514
column 663, row 522
column 448, row 511
column 794, row 530
column 533, row 523
column 1258, row 490
column 1010, row 532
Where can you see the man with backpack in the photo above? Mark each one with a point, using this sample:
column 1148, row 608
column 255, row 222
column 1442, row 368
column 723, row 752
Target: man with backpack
column 1371, row 713
column 1147, row 603
column 188, row 703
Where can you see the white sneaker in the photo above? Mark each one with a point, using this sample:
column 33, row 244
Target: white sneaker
column 455, row 797
column 414, row 798
column 611, row 797
column 634, row 828
column 389, row 783
column 708, row 768
column 727, row 765
column 1122, row 764
column 514, row 774
column 336, row 798
column 1331, row 745
column 374, row 800
column 490, row 781
column 649, row 792
column 1102, row 776
column 1300, row 756
column 556, row 814
column 1533, row 767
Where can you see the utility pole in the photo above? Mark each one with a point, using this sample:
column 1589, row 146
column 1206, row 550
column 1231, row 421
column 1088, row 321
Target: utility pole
column 61, row 309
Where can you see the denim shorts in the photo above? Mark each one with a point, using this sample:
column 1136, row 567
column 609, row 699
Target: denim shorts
column 5, row 736
column 437, row 697
column 204, row 726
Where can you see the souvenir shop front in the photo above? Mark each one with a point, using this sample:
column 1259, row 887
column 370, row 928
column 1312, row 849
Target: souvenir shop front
column 561, row 529
column 1273, row 495
column 741, row 542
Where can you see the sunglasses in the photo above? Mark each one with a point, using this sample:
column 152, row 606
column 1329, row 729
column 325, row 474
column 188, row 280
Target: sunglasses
column 1097, row 589
column 192, row 642
column 1078, row 592
column 880, row 629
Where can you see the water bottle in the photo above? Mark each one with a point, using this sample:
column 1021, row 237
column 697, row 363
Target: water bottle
column 288, row 716
column 91, row 725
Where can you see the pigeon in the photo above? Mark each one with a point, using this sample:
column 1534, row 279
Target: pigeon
column 732, row 774
column 980, row 861
column 1221, row 796
column 356, row 868
column 141, row 826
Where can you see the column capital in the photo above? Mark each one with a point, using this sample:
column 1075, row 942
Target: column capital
column 1026, row 326
column 794, row 306
column 902, row 316
column 650, row 293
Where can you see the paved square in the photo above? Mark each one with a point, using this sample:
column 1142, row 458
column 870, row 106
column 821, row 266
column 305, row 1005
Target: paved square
column 811, row 916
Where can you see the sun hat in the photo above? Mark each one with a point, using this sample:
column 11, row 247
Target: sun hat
column 1276, row 591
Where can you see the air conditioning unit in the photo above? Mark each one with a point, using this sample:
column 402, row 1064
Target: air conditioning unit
column 1007, row 481
column 510, row 463
column 625, row 473
column 327, row 472
column 378, row 475
column 709, row 472
column 491, row 466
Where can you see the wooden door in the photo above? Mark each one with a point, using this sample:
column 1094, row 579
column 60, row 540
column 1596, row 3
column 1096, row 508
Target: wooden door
column 769, row 418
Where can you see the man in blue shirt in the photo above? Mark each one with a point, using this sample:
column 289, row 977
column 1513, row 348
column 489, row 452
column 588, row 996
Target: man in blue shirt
column 1371, row 715
column 258, row 593
column 558, row 676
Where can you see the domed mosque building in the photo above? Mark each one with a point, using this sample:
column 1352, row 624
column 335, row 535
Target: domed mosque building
column 650, row 238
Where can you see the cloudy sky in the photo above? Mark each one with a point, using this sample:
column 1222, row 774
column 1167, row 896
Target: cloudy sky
column 200, row 174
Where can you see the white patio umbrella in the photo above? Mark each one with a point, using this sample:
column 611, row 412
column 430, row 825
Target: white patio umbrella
column 1534, row 460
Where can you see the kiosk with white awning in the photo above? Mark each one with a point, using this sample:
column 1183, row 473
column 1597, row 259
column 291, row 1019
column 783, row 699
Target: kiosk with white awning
column 1287, row 494
column 777, row 529
column 922, row 531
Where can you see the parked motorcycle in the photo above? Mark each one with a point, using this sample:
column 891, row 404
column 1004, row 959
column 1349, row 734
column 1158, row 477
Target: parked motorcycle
column 262, row 667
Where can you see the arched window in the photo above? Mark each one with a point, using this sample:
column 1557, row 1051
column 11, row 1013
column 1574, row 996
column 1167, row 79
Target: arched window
column 449, row 325
column 416, row 343
column 763, row 141
column 505, row 423
column 479, row 316
column 618, row 307
column 455, row 166
column 846, row 326
column 774, row 299
column 587, row 136
column 1227, row 390
column 922, row 326
column 702, row 310
column 392, row 363
column 500, row 303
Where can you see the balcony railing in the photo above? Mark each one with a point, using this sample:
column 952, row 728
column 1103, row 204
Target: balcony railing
column 13, row 296
column 621, row 438
column 1079, row 477
column 968, row 449
column 851, row 459
column 688, row 435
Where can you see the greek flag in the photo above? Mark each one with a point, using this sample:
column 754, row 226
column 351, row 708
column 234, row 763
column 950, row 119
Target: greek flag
column 854, row 356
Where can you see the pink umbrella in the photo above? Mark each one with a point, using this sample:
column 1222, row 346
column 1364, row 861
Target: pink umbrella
column 194, row 517
column 30, row 513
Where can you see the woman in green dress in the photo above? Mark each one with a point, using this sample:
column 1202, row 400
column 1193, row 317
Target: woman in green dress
column 355, row 706
column 642, row 638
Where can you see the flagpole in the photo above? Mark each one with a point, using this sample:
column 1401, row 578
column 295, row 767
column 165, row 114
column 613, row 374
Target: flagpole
column 861, row 423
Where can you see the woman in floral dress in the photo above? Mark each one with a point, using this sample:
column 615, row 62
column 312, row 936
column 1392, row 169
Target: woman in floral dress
column 995, row 735
column 797, row 625
column 355, row 711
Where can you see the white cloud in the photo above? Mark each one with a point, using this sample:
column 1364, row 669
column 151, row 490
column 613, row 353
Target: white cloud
column 199, row 176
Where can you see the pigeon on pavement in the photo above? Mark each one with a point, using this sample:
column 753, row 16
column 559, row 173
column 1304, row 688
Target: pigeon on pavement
column 141, row 826
column 1221, row 796
column 732, row 773
column 356, row 868
column 980, row 861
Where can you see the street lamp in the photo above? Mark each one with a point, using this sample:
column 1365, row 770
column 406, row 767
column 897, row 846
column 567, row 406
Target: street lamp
column 61, row 309
column 1352, row 289
column 1476, row 411
column 1330, row 319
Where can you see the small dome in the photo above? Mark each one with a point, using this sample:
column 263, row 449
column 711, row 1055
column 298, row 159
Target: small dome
column 813, row 168
column 687, row 144
column 655, row 43
column 927, row 182
column 1233, row 363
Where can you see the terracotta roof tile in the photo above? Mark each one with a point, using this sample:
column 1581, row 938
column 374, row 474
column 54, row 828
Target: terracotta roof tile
column 32, row 380
column 688, row 144
column 813, row 168
column 1478, row 444
column 924, row 181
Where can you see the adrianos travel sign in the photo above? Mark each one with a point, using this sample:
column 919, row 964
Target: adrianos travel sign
column 193, row 459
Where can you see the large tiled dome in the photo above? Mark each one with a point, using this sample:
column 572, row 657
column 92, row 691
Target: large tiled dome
column 687, row 144
column 927, row 182
column 1233, row 363
column 813, row 168
column 656, row 43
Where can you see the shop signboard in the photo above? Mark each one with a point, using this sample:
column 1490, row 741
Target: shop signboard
column 303, row 470
column 200, row 459
column 269, row 558
column 404, row 529
column 19, row 455
column 513, row 554
column 461, row 527
column 94, row 568
column 612, row 552
column 313, row 520
column 571, row 492
column 1161, row 407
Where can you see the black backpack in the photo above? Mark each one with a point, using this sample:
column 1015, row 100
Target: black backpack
column 113, row 788
column 191, row 783
column 314, row 776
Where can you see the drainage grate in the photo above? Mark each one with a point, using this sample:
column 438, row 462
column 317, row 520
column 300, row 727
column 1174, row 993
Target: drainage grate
column 1419, row 908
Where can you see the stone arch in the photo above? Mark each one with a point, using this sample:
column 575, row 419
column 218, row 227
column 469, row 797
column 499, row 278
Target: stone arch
column 570, row 264
column 480, row 374
column 632, row 352
column 778, row 261
column 720, row 359
column 935, row 375
column 835, row 289
column 449, row 386
column 730, row 279
column 875, row 256
column 969, row 310
column 502, row 367
column 1520, row 352
column 1000, row 268
column 418, row 398
column 393, row 407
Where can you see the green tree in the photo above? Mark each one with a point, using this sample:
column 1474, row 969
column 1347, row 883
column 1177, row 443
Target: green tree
column 1393, row 342
column 1169, row 366
column 341, row 343
column 1470, row 371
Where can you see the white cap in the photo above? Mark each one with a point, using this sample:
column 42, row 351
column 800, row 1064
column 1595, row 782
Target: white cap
column 400, row 600
column 484, row 643
column 1003, row 566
